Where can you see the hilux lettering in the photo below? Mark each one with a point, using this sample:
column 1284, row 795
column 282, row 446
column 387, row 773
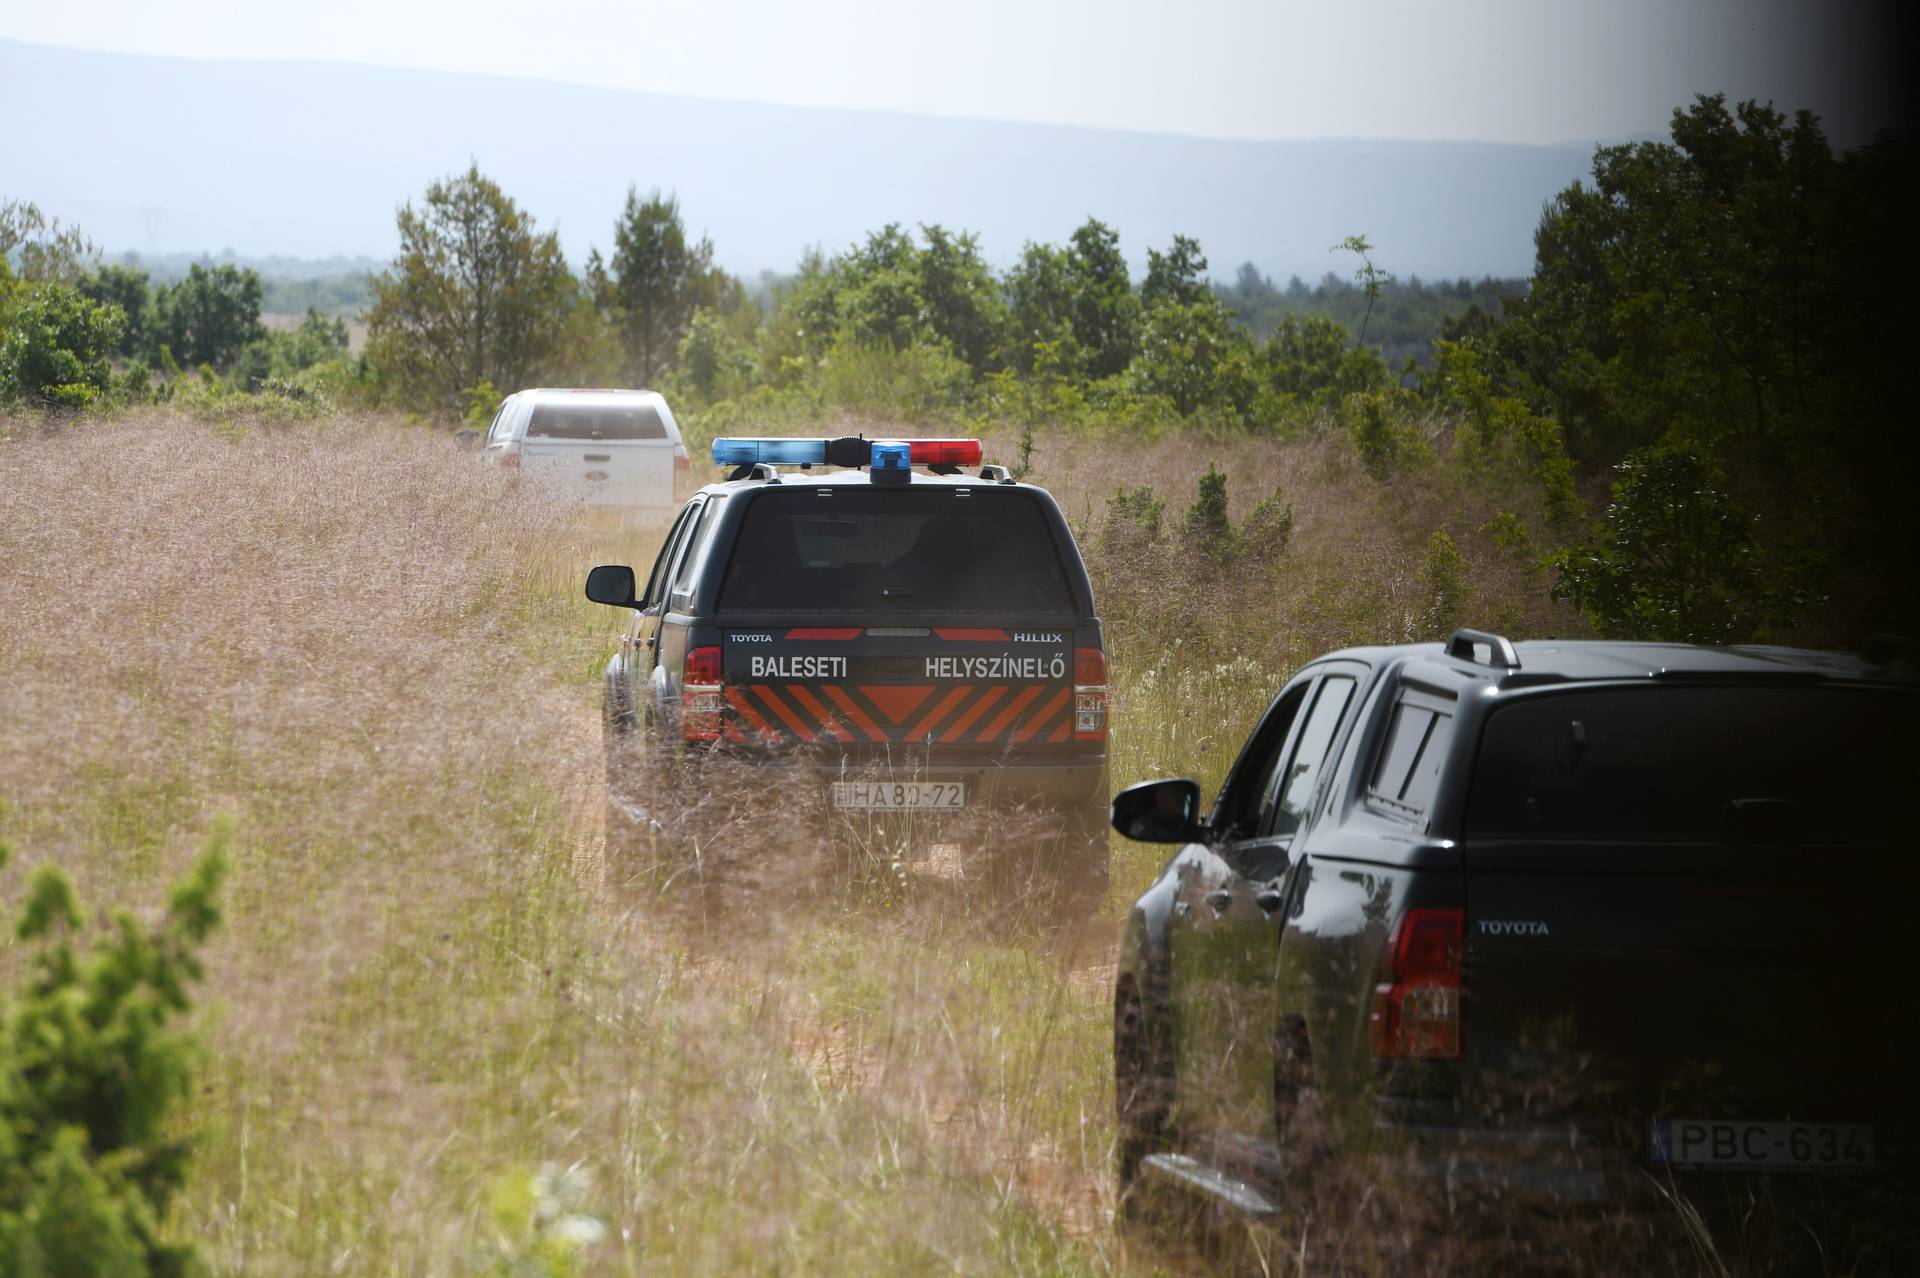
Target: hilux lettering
column 1512, row 927
column 1004, row 666
column 799, row 667
column 1020, row 636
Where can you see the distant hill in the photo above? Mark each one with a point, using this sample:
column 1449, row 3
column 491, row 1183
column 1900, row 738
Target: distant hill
column 163, row 155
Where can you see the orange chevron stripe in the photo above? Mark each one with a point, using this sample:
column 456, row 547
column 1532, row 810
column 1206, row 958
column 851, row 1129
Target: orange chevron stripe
column 939, row 712
column 827, row 719
column 779, row 707
column 897, row 701
column 1060, row 733
column 1038, row 719
column 1006, row 716
column 965, row 721
column 855, row 713
column 738, row 700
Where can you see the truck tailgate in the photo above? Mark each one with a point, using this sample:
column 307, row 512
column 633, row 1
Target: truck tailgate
column 964, row 689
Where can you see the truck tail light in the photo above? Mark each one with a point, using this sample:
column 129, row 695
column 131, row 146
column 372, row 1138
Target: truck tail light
column 701, row 699
column 1416, row 998
column 1089, row 694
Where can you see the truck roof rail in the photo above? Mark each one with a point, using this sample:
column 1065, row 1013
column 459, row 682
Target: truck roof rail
column 1500, row 654
column 755, row 470
column 996, row 474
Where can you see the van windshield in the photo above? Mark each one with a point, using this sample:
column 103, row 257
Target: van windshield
column 1693, row 764
column 596, row 421
column 865, row 549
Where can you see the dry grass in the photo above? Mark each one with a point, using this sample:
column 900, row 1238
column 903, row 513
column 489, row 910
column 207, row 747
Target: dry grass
column 374, row 655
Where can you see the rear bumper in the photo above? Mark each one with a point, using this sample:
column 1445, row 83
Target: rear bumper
column 1077, row 783
column 1559, row 1164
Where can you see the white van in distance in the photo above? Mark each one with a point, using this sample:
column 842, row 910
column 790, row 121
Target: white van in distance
column 618, row 449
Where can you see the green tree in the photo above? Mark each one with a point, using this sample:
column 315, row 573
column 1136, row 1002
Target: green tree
column 56, row 347
column 1178, row 276
column 962, row 299
column 1677, row 559
column 127, row 288
column 1106, row 314
column 659, row 279
column 38, row 249
column 1372, row 280
column 1734, row 289
column 208, row 317
column 1040, row 305
column 1207, row 528
column 476, row 295
column 93, row 1067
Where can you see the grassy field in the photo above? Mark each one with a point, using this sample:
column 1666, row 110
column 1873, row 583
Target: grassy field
column 428, row 1011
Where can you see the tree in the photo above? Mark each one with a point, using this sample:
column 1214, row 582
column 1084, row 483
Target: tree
column 56, row 347
column 1040, row 307
column 1734, row 290
column 962, row 299
column 1106, row 314
column 476, row 295
column 208, row 317
column 1178, row 276
column 1677, row 559
column 38, row 249
column 659, row 280
column 127, row 288
column 1372, row 280
column 92, row 1072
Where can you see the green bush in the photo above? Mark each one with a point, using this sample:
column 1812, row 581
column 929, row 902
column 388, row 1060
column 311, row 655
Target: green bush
column 92, row 1068
column 57, row 347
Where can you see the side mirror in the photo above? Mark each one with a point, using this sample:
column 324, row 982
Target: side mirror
column 1159, row 811
column 611, row 584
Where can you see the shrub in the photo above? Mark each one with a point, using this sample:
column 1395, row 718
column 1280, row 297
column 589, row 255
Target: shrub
column 91, row 1070
column 57, row 347
column 1676, row 560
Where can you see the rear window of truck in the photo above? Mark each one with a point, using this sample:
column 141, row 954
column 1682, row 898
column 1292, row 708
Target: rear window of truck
column 1692, row 764
column 846, row 549
column 596, row 421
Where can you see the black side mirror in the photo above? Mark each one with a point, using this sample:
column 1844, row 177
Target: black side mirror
column 1159, row 811
column 611, row 584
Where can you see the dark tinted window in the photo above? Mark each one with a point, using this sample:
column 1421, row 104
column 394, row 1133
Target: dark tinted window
column 697, row 540
column 1696, row 764
column 596, row 421
column 913, row 550
column 1417, row 740
column 656, row 580
column 1296, row 789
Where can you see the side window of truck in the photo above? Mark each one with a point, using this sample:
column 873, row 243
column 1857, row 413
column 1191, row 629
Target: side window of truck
column 1238, row 809
column 1294, row 786
column 697, row 538
column 1408, row 771
column 656, row 580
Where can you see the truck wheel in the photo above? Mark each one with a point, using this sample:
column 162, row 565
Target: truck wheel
column 1142, row 1093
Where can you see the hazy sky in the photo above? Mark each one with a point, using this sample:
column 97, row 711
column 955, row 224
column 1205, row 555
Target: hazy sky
column 1492, row 70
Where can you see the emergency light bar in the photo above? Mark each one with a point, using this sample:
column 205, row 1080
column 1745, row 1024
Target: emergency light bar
column 851, row 450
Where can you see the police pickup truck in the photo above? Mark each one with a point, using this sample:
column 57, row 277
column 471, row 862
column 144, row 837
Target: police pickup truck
column 884, row 639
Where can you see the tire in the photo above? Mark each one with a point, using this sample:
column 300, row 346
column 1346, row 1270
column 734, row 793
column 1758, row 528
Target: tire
column 1142, row 1092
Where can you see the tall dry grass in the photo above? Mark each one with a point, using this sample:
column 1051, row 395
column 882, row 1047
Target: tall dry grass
column 371, row 653
column 374, row 654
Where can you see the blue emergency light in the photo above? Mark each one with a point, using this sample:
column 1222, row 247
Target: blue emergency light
column 894, row 456
column 777, row 452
